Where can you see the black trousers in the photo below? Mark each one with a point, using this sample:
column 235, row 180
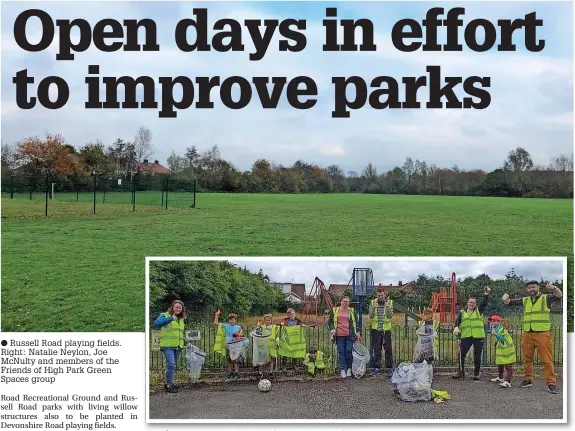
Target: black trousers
column 466, row 344
column 379, row 340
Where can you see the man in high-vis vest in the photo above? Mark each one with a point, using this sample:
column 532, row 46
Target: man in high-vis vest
column 171, row 325
column 470, row 328
column 536, row 331
column 380, row 313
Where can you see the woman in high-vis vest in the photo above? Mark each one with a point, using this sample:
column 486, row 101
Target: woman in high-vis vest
column 536, row 331
column 171, row 326
column 470, row 328
column 343, row 327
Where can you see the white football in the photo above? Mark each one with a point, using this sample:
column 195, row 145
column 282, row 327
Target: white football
column 264, row 385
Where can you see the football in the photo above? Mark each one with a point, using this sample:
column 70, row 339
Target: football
column 264, row 385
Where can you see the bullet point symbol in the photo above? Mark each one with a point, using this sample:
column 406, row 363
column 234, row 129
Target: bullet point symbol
column 4, row 343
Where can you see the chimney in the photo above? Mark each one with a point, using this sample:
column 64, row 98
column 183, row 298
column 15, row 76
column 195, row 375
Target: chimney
column 156, row 162
column 400, row 283
column 145, row 161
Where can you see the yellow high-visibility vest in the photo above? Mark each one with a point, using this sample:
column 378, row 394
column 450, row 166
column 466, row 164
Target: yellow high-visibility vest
column 505, row 353
column 536, row 316
column 472, row 324
column 386, row 320
column 353, row 326
column 220, row 343
column 319, row 362
column 172, row 334
column 292, row 342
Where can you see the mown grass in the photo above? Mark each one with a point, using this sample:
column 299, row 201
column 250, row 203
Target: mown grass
column 75, row 271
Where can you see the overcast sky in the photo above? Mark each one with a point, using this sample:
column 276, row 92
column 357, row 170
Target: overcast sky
column 532, row 93
column 393, row 271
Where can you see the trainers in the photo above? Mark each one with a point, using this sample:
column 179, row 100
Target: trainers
column 505, row 384
column 552, row 389
column 343, row 374
column 525, row 384
column 374, row 372
column 476, row 377
column 171, row 389
column 497, row 380
column 349, row 372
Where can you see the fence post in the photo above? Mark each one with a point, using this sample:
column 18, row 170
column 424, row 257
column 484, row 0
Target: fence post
column 134, row 192
column 94, row 188
column 47, row 192
column 194, row 204
column 167, row 189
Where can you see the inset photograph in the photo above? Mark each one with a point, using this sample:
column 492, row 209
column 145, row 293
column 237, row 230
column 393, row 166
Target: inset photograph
column 369, row 339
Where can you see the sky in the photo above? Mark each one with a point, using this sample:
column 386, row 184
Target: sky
column 532, row 93
column 339, row 271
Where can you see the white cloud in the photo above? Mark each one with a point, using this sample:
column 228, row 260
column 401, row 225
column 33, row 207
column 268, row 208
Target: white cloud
column 531, row 96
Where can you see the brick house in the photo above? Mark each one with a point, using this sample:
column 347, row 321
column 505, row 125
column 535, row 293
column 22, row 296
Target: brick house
column 152, row 168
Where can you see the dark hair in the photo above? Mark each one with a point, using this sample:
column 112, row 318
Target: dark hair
column 232, row 316
column 381, row 289
column 531, row 282
column 313, row 349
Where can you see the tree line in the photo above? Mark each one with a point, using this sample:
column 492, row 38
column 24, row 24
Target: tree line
column 204, row 286
column 32, row 158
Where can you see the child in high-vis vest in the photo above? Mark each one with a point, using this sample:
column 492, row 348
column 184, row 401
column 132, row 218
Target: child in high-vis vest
column 227, row 333
column 505, row 355
column 314, row 361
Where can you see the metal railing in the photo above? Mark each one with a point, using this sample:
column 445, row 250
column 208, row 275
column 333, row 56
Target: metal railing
column 403, row 340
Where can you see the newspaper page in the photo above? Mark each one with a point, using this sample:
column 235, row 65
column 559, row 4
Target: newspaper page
column 285, row 213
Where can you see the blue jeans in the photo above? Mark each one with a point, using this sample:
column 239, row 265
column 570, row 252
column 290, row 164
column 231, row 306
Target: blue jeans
column 344, row 355
column 171, row 356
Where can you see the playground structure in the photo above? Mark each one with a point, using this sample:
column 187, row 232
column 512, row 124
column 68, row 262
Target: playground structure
column 361, row 288
column 319, row 296
column 361, row 285
column 444, row 302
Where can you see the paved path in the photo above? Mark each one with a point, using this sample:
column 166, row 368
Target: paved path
column 369, row 398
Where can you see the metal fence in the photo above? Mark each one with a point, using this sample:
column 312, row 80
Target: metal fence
column 403, row 343
column 47, row 194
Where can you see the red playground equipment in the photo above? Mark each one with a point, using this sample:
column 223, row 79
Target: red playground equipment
column 319, row 295
column 444, row 302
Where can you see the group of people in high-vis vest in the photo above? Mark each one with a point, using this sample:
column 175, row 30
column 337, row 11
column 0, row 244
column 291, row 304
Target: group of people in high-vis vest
column 535, row 335
column 287, row 339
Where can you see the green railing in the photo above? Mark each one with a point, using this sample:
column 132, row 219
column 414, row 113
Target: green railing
column 403, row 342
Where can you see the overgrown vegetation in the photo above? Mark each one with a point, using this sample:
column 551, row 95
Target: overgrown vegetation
column 206, row 285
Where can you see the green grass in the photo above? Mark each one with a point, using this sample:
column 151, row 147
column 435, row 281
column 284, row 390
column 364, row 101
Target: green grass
column 75, row 271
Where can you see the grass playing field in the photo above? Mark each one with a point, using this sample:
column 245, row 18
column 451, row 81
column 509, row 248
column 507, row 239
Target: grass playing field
column 75, row 271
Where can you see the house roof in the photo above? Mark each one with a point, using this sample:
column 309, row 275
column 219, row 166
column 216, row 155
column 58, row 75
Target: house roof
column 156, row 167
column 298, row 289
